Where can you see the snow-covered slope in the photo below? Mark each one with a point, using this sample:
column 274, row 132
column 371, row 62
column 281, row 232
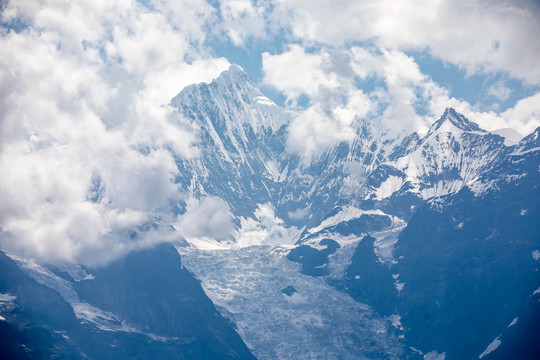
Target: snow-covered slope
column 453, row 154
column 244, row 160
column 239, row 138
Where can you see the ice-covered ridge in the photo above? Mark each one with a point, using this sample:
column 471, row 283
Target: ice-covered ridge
column 349, row 213
column 240, row 143
column 244, row 158
column 238, row 99
column 316, row 322
column 452, row 118
column 529, row 143
column 519, row 153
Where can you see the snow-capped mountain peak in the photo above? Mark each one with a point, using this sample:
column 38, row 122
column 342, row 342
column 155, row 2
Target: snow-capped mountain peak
column 237, row 104
column 451, row 118
column 453, row 154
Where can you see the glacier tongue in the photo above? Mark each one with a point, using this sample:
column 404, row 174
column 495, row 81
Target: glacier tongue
column 316, row 321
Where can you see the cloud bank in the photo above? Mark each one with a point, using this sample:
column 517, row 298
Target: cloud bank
column 86, row 136
column 207, row 217
column 361, row 49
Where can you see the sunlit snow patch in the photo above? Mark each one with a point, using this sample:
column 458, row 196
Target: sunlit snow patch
column 434, row 355
column 441, row 188
column 103, row 320
column 396, row 321
column 491, row 347
column 349, row 213
column 263, row 100
column 384, row 243
column 388, row 187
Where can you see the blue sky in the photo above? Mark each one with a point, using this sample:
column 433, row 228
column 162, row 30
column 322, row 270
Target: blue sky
column 84, row 84
column 473, row 88
column 477, row 56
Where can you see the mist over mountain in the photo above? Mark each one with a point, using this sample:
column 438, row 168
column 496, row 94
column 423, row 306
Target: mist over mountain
column 395, row 245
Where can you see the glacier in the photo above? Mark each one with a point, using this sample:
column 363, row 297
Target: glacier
column 316, row 322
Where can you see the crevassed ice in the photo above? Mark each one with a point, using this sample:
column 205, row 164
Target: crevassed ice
column 316, row 322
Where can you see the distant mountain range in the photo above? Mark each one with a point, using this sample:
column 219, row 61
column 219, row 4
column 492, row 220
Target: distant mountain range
column 385, row 247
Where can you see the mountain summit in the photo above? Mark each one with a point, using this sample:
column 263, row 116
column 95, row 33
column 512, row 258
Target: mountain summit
column 454, row 118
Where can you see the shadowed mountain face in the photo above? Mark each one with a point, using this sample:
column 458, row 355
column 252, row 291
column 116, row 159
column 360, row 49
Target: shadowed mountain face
column 470, row 263
column 146, row 306
column 151, row 290
column 381, row 247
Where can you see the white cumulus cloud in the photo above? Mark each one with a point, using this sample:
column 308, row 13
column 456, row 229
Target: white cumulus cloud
column 86, row 134
column 209, row 217
column 479, row 36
